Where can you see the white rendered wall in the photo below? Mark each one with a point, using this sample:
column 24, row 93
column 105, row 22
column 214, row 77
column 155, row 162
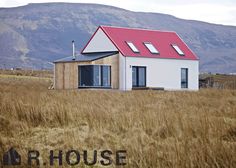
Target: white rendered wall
column 100, row 43
column 164, row 73
column 122, row 70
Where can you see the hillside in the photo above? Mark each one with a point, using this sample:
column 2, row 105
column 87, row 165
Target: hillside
column 36, row 34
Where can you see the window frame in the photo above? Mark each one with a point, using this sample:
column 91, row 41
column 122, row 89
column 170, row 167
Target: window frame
column 177, row 49
column 137, row 76
column 149, row 43
column 108, row 76
column 101, row 75
column 184, row 84
column 132, row 46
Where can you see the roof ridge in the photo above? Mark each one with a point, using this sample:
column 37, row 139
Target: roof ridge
column 132, row 28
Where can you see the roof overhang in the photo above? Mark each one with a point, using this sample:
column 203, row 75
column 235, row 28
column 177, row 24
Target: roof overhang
column 87, row 57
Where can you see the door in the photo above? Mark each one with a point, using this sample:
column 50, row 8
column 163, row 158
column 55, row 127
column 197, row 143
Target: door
column 138, row 76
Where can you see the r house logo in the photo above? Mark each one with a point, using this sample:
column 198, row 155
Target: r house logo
column 11, row 158
column 70, row 158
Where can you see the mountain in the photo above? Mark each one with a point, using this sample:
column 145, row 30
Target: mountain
column 36, row 34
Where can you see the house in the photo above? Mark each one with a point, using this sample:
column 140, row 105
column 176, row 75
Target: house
column 11, row 157
column 129, row 58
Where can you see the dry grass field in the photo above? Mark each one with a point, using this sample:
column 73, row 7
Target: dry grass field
column 157, row 128
column 29, row 73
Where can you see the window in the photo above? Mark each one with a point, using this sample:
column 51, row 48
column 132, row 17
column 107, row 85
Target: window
column 184, row 77
column 95, row 76
column 86, row 75
column 106, row 76
column 151, row 48
column 178, row 50
column 132, row 46
column 138, row 76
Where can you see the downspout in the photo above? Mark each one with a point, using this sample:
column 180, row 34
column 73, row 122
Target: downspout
column 54, row 76
column 125, row 73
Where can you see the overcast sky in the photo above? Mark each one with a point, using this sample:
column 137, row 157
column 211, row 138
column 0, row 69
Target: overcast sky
column 214, row 11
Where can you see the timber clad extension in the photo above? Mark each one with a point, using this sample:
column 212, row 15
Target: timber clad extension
column 126, row 59
column 67, row 73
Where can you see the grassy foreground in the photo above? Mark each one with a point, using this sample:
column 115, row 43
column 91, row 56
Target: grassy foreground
column 157, row 128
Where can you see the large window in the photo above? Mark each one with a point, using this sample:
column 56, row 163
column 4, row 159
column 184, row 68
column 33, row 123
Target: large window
column 184, row 77
column 94, row 76
column 138, row 76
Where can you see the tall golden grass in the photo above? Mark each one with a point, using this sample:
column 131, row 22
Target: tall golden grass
column 25, row 72
column 157, row 128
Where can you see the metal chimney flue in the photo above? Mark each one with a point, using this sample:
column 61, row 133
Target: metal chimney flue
column 73, row 50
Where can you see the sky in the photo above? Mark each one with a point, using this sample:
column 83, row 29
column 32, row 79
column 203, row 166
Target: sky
column 213, row 11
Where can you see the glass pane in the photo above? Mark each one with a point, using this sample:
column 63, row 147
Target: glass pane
column 141, row 76
column 178, row 50
column 106, row 81
column 132, row 46
column 134, row 76
column 86, row 75
column 96, row 75
column 184, row 78
column 151, row 48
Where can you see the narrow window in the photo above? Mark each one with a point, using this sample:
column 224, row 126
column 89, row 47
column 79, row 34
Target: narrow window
column 151, row 48
column 132, row 46
column 106, row 76
column 184, row 77
column 96, row 75
column 178, row 50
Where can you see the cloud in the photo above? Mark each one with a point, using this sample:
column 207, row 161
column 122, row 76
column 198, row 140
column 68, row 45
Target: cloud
column 11, row 3
column 213, row 13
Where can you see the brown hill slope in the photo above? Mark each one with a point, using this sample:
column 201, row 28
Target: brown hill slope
column 36, row 34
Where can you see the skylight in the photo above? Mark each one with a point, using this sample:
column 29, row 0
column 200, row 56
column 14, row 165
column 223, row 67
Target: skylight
column 178, row 50
column 132, row 46
column 151, row 48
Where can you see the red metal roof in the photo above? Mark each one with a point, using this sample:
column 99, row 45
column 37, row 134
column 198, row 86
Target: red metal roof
column 162, row 40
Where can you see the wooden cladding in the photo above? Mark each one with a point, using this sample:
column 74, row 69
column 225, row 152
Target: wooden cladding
column 66, row 74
